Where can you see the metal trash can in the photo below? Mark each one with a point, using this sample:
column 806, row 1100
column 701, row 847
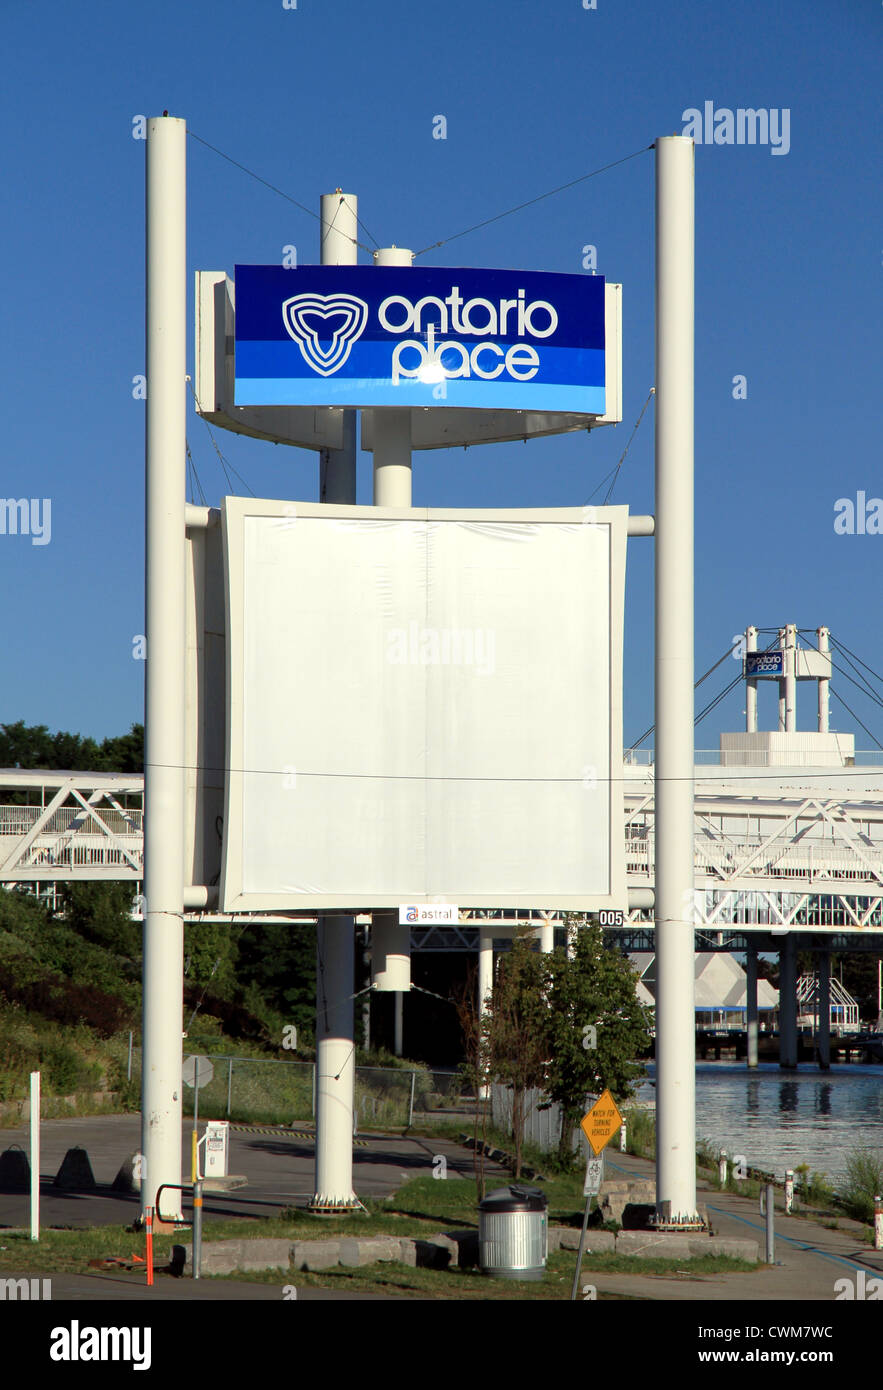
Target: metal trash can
column 513, row 1233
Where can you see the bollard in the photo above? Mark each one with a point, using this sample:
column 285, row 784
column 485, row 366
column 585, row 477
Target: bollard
column 789, row 1191
column 878, row 1223
column 197, row 1229
column 767, row 1209
column 722, row 1168
column 622, row 1144
column 148, row 1226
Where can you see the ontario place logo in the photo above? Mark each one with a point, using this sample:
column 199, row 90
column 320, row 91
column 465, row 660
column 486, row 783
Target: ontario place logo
column 325, row 346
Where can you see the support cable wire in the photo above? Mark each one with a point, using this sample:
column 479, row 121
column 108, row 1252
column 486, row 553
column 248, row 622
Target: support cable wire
column 251, row 173
column 614, row 472
column 864, row 688
column 224, row 462
column 531, row 201
column 846, row 650
column 733, row 683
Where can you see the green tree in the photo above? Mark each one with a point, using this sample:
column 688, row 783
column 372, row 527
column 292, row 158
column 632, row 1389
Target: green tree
column 515, row 1030
column 596, row 1026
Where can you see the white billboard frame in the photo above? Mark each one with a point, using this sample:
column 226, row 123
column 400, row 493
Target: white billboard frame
column 235, row 896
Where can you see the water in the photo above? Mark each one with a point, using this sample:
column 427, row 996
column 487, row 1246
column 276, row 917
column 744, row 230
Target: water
column 780, row 1119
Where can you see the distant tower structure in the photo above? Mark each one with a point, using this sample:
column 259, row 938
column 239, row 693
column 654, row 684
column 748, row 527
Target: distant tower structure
column 786, row 663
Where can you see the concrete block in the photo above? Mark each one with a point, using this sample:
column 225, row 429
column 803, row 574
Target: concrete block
column 466, row 1243
column 75, row 1173
column 315, row 1254
column 15, row 1171
column 408, row 1252
column 651, row 1245
column 226, row 1256
column 437, row 1253
column 724, row 1245
column 567, row 1238
column 368, row 1250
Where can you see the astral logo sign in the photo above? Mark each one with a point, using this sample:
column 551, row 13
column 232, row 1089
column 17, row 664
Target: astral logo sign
column 361, row 336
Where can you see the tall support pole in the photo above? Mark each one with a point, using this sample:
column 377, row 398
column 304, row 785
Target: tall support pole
column 547, row 937
column 751, row 1003
column 392, row 428
column 335, row 935
column 338, row 213
column 788, row 1004
column 675, row 1019
column 823, row 634
column 335, row 1064
column 791, row 679
column 783, row 684
column 751, row 686
column 824, row 997
column 485, row 985
column 164, row 668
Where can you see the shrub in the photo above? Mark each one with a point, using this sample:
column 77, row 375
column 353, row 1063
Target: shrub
column 864, row 1182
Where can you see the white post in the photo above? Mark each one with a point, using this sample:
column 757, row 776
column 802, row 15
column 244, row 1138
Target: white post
column 878, row 1223
column 791, row 679
column 823, row 634
column 392, row 428
column 164, row 668
column 675, row 1020
column 35, row 1155
column 338, row 246
column 335, row 1064
column 789, row 1191
column 783, row 683
column 485, row 986
column 722, row 1168
column 751, row 686
column 547, row 937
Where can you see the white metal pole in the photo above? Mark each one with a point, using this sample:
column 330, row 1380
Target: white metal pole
column 164, row 668
column 35, row 1155
column 823, row 634
column 335, row 1063
column 392, row 428
column 485, row 986
column 791, row 679
column 547, row 937
column 675, row 1019
column 751, row 686
column 783, row 684
column 338, row 246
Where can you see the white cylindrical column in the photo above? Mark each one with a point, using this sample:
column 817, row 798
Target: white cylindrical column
column 165, row 666
column 675, row 1019
column 485, row 986
column 547, row 937
column 823, row 635
column 783, row 684
column 391, row 967
column 751, row 685
column 335, row 1064
column 790, row 679
column 392, row 428
column 338, row 246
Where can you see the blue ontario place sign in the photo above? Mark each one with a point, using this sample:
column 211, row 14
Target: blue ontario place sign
column 363, row 336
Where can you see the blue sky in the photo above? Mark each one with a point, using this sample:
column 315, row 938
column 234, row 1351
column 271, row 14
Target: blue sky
column 335, row 93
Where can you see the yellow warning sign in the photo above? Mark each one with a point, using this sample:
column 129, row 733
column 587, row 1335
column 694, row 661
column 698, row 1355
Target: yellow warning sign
column 601, row 1122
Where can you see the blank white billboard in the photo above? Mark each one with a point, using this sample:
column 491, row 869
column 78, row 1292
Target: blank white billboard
column 423, row 705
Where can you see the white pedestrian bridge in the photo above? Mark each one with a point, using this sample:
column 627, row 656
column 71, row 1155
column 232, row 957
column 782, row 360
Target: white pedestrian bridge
column 777, row 849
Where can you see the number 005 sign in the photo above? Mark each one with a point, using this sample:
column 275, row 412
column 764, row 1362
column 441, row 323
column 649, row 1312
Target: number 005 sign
column 423, row 709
